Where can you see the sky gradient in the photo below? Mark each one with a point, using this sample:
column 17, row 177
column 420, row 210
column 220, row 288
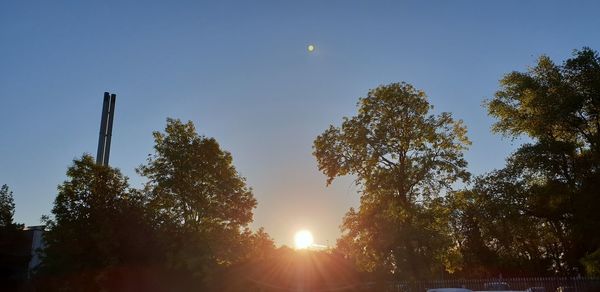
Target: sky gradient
column 241, row 72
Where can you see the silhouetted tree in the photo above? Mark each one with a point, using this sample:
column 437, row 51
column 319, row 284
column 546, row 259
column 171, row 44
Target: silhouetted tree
column 492, row 234
column 404, row 158
column 558, row 108
column 7, row 209
column 189, row 221
column 99, row 234
column 200, row 203
column 14, row 245
column 259, row 245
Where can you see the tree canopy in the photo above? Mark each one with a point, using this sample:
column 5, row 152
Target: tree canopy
column 198, row 197
column 194, row 182
column 546, row 193
column 403, row 157
column 98, row 226
column 189, row 222
column 7, row 207
column 552, row 102
column 14, row 255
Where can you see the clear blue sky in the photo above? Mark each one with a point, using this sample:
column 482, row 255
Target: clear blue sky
column 240, row 71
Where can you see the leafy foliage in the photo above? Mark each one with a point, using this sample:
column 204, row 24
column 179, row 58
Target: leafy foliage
column 551, row 102
column 7, row 208
column 14, row 255
column 194, row 182
column 558, row 108
column 188, row 222
column 494, row 235
column 99, row 225
column 198, row 198
column 591, row 262
column 403, row 158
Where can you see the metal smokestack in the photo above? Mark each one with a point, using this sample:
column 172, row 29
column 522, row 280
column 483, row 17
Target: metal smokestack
column 111, row 115
column 106, row 124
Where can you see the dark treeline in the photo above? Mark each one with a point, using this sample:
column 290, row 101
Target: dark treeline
column 422, row 215
column 186, row 225
column 14, row 253
column 536, row 216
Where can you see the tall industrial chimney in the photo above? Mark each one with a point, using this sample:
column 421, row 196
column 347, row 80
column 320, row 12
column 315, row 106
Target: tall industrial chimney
column 106, row 124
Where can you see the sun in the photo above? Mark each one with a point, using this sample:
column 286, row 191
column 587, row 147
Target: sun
column 311, row 48
column 303, row 239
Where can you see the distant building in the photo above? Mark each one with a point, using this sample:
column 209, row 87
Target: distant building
column 36, row 236
column 19, row 254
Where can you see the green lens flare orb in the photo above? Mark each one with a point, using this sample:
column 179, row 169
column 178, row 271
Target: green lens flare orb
column 311, row 48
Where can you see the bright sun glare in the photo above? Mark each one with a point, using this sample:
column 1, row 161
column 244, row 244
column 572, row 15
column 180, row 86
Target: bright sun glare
column 303, row 239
